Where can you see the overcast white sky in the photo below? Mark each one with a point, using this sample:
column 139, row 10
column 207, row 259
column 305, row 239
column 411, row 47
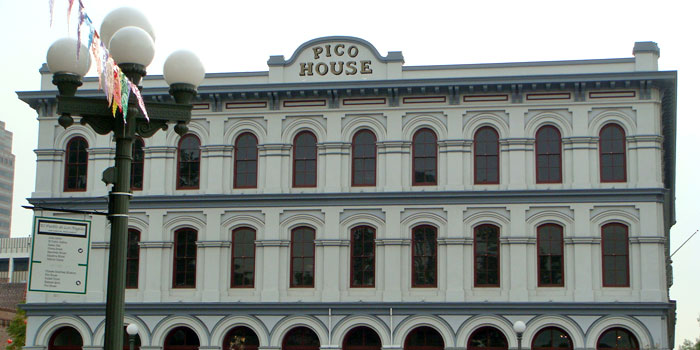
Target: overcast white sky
column 236, row 36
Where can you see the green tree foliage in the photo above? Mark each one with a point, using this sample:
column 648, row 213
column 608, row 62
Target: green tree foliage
column 689, row 345
column 17, row 330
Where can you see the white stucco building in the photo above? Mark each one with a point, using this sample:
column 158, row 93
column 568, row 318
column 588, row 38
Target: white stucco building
column 342, row 199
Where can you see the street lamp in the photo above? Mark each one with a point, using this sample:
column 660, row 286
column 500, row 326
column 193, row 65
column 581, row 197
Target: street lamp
column 519, row 328
column 131, row 45
column 132, row 330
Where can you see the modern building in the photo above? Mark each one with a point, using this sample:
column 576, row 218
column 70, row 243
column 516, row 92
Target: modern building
column 7, row 177
column 344, row 200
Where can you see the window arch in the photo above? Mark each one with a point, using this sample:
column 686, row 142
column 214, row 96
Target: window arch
column 243, row 258
column 486, row 156
column 181, row 338
column 304, row 160
column 364, row 158
column 550, row 255
column 362, row 262
column 241, row 338
column 613, row 162
column 486, row 256
column 301, row 338
column 137, row 162
column 424, row 257
column 425, row 151
column 487, row 338
column 552, row 338
column 303, row 258
column 362, row 338
column 188, row 156
column 615, row 245
column 132, row 258
column 185, row 258
column 548, row 155
column 66, row 338
column 246, row 161
column 424, row 338
column 75, row 178
column 618, row 339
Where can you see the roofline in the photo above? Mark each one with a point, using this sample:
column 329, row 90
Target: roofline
column 520, row 64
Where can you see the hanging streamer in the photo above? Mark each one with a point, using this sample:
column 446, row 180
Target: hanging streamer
column 70, row 9
column 125, row 83
column 50, row 13
column 137, row 93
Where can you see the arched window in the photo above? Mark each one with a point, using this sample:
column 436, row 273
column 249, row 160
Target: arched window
column 615, row 245
column 240, row 338
column 618, row 339
column 613, row 162
column 364, row 158
column 424, row 257
column 362, row 256
column 550, row 255
column 304, row 160
column 132, row 259
column 243, row 258
column 424, row 338
column 137, row 160
column 424, row 158
column 303, row 256
column 552, row 338
column 75, row 178
column 181, row 338
column 301, row 338
column 486, row 256
column 487, row 338
column 127, row 337
column 362, row 338
column 486, row 162
column 188, row 155
column 548, row 157
column 246, row 162
column 185, row 259
column 66, row 338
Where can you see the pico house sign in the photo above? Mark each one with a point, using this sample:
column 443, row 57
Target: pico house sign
column 335, row 58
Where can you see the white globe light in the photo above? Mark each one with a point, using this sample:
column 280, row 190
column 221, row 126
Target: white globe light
column 124, row 17
column 62, row 57
column 183, row 67
column 132, row 45
column 132, row 329
column 519, row 327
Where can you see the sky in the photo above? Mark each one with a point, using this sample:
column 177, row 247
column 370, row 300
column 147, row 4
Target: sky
column 238, row 36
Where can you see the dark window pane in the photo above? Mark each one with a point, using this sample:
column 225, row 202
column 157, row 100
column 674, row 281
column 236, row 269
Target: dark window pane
column 612, row 153
column 188, row 162
column 76, row 165
column 424, row 158
column 486, row 158
column 246, row 161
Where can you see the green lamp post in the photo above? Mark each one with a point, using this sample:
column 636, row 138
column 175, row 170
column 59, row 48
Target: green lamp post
column 130, row 41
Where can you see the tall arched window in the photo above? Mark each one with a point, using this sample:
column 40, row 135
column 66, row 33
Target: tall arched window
column 362, row 256
column 301, row 338
column 188, row 155
column 486, row 256
column 132, row 259
column 486, row 162
column 548, row 157
column 615, row 245
column 552, row 338
column 185, row 258
column 240, row 338
column 137, row 161
column 181, row 338
column 364, row 158
column 362, row 338
column 424, row 257
column 424, row 338
column 303, row 256
column 246, row 162
column 75, row 178
column 613, row 162
column 243, row 258
column 550, row 255
column 425, row 151
column 618, row 339
column 304, row 160
column 487, row 338
column 66, row 338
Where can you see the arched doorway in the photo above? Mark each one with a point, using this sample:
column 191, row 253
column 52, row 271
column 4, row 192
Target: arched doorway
column 362, row 338
column 424, row 338
column 66, row 338
column 552, row 338
column 487, row 338
column 181, row 338
column 618, row 339
column 240, row 338
column 301, row 338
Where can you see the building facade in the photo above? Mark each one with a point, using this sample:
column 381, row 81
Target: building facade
column 344, row 200
column 14, row 271
column 7, row 177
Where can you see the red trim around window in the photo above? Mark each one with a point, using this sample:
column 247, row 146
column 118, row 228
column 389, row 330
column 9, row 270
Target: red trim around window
column 434, row 256
column 365, row 256
column 239, row 158
column 553, row 332
column 363, row 158
column 184, row 257
column 303, row 258
column 619, row 333
column 132, row 258
column 296, row 159
column 244, row 258
column 612, row 146
column 606, row 230
column 77, row 149
column 487, row 254
column 540, row 143
column 427, row 154
column 485, row 155
column 180, row 163
column 539, row 254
